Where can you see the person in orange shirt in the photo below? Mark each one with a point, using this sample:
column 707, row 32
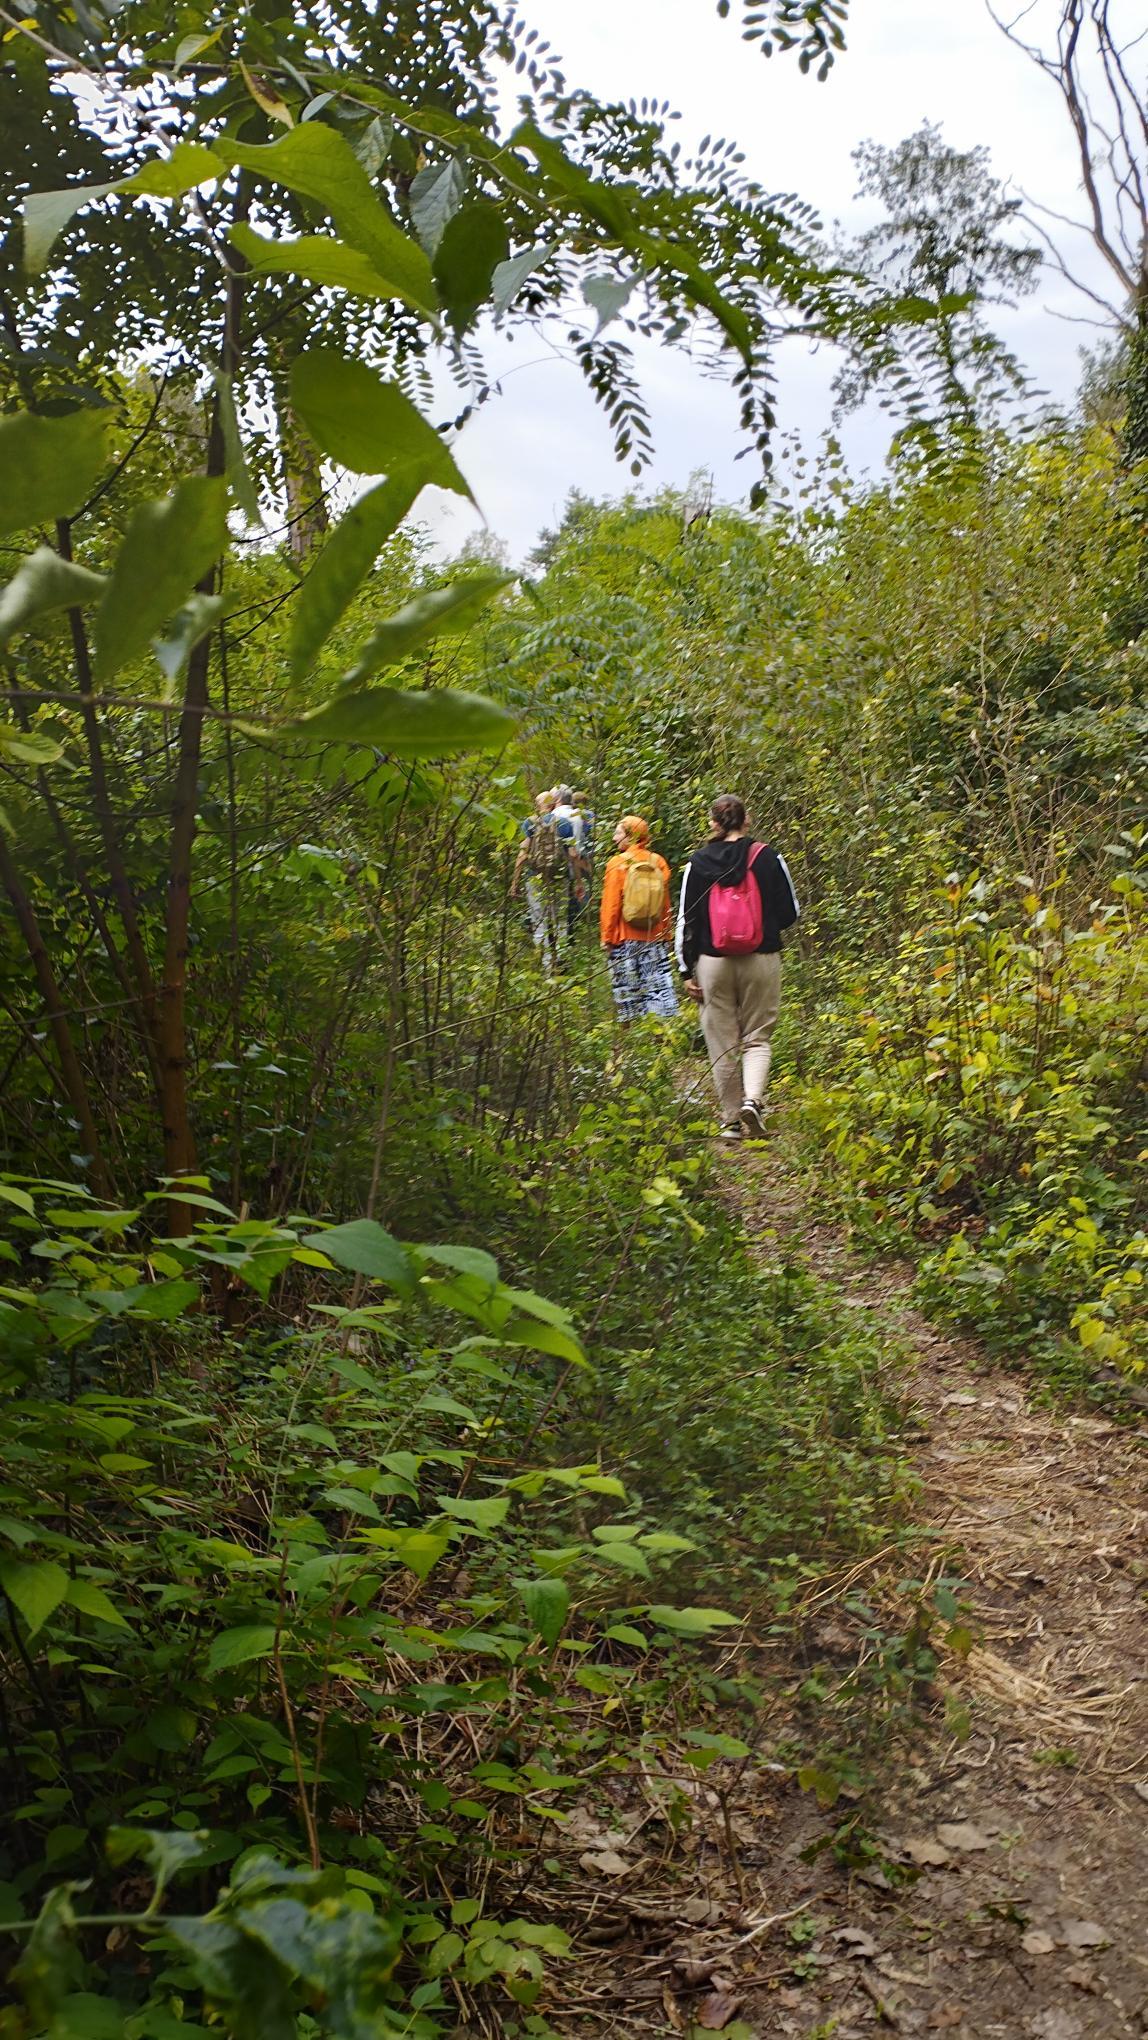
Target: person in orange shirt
column 634, row 924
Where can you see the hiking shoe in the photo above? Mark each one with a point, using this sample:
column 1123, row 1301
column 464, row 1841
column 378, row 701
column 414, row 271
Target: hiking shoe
column 752, row 1119
column 731, row 1130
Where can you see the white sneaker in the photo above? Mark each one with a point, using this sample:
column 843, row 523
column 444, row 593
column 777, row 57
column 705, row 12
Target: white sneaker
column 731, row 1131
column 752, row 1119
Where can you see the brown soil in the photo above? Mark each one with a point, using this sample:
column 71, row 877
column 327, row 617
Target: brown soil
column 1008, row 1895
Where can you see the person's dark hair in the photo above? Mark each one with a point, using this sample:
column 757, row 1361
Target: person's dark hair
column 727, row 812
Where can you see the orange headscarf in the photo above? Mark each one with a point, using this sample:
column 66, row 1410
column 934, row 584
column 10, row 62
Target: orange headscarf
column 636, row 829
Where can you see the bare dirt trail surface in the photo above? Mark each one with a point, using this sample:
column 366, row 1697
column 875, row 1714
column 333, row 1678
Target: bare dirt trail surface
column 1025, row 1910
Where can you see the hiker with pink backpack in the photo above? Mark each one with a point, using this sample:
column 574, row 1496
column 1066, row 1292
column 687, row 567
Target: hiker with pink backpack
column 736, row 898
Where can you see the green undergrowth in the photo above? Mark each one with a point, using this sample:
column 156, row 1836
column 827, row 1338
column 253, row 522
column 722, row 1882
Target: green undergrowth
column 979, row 1101
column 324, row 1619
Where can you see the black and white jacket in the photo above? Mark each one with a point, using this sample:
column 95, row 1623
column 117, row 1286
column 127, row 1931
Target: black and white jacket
column 723, row 863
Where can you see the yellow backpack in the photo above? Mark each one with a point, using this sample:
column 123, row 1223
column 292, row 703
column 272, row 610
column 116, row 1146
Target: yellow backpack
column 644, row 893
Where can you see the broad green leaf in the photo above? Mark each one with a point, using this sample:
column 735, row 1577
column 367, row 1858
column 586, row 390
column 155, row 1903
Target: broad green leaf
column 444, row 612
column 435, row 196
column 464, row 1260
column 168, row 547
column 485, row 1514
column 509, row 276
column 314, row 258
column 318, row 164
column 47, row 213
column 663, row 1542
column 366, row 424
column 20, row 1198
column 240, row 1646
column 166, row 1852
column 89, row 1599
column 472, row 246
column 367, row 1249
column 346, row 558
column 47, row 466
column 691, row 1621
column 43, row 582
column 542, row 1338
column 28, row 747
column 35, row 1590
column 603, row 202
column 408, row 725
column 187, row 626
column 625, row 1556
column 547, row 1604
column 421, row 1550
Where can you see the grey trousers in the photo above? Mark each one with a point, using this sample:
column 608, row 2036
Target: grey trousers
column 741, row 999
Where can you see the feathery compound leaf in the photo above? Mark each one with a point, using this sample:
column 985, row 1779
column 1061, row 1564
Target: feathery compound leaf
column 47, row 466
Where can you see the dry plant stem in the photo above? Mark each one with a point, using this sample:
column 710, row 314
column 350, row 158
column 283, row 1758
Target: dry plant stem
column 292, row 1733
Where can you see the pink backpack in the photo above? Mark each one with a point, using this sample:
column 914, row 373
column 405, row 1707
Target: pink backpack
column 735, row 913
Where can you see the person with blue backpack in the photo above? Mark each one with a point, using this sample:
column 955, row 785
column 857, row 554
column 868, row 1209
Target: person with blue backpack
column 736, row 899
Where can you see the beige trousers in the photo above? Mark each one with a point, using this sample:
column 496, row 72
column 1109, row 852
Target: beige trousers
column 741, row 999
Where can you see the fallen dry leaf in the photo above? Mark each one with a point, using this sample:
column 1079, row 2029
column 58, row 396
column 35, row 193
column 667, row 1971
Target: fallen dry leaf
column 605, row 1863
column 716, row 2010
column 926, row 1854
column 672, row 2010
column 856, row 1941
column 962, row 1835
column 1055, row 2024
column 1084, row 1977
column 944, row 2017
column 1037, row 1942
column 699, row 1911
column 1082, row 1934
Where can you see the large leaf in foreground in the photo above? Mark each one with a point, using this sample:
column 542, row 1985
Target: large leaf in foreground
column 444, row 612
column 315, row 258
column 47, row 466
column 47, row 213
column 366, row 424
column 318, row 164
column 421, row 724
column 365, row 1247
column 44, row 581
column 168, row 547
column 347, row 557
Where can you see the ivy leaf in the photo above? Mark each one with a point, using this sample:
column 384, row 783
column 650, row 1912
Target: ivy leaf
column 346, row 558
column 239, row 1646
column 444, row 612
column 431, row 724
column 44, row 582
column 364, row 1247
column 436, row 194
column 35, row 1590
column 606, row 295
column 472, row 246
column 47, row 466
column 366, row 424
column 168, row 547
column 547, row 1604
column 318, row 164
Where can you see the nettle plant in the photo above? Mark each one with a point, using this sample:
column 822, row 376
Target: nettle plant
column 314, row 1602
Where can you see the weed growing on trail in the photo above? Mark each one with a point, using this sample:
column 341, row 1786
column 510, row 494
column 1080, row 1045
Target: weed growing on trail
column 986, row 1102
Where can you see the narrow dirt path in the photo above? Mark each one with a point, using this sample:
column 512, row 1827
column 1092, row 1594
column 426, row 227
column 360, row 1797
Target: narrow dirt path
column 1030, row 1916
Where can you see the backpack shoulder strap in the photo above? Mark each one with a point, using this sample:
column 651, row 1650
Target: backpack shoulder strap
column 755, row 852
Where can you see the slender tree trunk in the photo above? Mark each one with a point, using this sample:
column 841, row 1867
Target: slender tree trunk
column 178, row 1136
column 75, row 1088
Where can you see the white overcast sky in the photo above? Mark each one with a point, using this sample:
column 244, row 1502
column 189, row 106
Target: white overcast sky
column 907, row 61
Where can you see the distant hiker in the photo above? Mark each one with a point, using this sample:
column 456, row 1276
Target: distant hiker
column 736, row 898
column 544, row 857
column 635, row 922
